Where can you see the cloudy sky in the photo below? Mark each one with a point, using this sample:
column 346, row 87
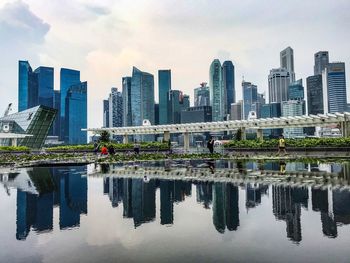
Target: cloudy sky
column 105, row 38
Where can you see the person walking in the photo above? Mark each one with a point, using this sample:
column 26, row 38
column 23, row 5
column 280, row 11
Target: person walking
column 210, row 145
column 282, row 145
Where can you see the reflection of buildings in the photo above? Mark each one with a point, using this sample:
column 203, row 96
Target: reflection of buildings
column 55, row 186
column 225, row 207
column 166, row 202
column 205, row 193
column 287, row 203
column 253, row 194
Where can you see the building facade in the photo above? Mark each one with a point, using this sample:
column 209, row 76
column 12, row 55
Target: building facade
column 27, row 86
column 115, row 102
column 217, row 92
column 164, row 87
column 76, row 114
column 177, row 103
column 296, row 90
column 196, row 114
column 314, row 94
column 250, row 97
column 228, row 78
column 45, row 76
column 126, row 90
column 293, row 108
column 321, row 62
column 287, row 61
column 57, row 106
column 279, row 80
column 236, row 111
column 201, row 95
column 106, row 113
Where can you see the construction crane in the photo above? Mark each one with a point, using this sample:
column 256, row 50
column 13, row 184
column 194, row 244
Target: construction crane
column 8, row 109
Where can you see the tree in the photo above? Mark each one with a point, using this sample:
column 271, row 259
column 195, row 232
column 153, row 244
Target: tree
column 238, row 135
column 105, row 136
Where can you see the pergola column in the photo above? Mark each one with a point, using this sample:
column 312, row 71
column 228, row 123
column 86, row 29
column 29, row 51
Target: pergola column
column 243, row 133
column 14, row 142
column 259, row 134
column 125, row 138
column 186, row 141
column 166, row 136
column 345, row 128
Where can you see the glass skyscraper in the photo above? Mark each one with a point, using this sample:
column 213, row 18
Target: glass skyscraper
column 292, row 108
column 126, row 90
column 279, row 80
column 217, row 92
column 164, row 86
column 115, row 102
column 45, row 76
column 68, row 77
column 57, row 106
column 296, row 90
column 27, row 86
column 228, row 78
column 321, row 62
column 142, row 97
column 287, row 61
column 314, row 94
column 105, row 113
column 250, row 97
column 175, row 106
column 76, row 114
column 201, row 95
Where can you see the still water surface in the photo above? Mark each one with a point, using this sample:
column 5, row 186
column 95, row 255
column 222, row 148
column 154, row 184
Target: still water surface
column 88, row 214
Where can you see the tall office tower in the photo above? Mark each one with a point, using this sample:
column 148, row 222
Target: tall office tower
column 201, row 95
column 279, row 80
column 334, row 88
column 57, row 106
column 196, row 114
column 142, row 97
column 156, row 113
column 314, row 94
column 115, row 101
column 271, row 110
column 236, row 111
column 217, row 92
column 287, row 61
column 164, row 86
column 27, row 86
column 76, row 114
column 45, row 77
column 293, row 108
column 258, row 104
column 250, row 97
column 126, row 82
column 296, row 90
column 185, row 102
column 105, row 113
column 68, row 77
column 177, row 103
column 321, row 62
column 228, row 79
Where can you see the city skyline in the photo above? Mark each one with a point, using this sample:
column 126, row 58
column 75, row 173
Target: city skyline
column 104, row 64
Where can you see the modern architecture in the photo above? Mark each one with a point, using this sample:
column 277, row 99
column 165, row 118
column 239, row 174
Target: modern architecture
column 314, row 92
column 321, row 62
column 115, row 102
column 217, row 92
column 279, row 80
column 228, row 79
column 236, row 111
column 196, row 114
column 105, row 113
column 126, row 90
column 250, row 97
column 287, row 61
column 293, row 108
column 201, row 95
column 177, row 103
column 164, row 87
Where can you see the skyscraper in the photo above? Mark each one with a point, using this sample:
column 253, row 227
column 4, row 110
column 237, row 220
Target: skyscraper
column 45, row 76
column 68, row 77
column 217, row 92
column 228, row 78
column 293, row 108
column 321, row 62
column 201, row 95
column 76, row 114
column 115, row 102
column 142, row 97
column 296, row 90
column 57, row 106
column 27, row 86
column 177, row 103
column 279, row 80
column 250, row 97
column 314, row 94
column 236, row 111
column 287, row 61
column 105, row 113
column 334, row 88
column 164, row 86
column 126, row 90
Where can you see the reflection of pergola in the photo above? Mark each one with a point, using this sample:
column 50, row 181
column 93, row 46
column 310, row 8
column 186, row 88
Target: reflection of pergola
column 342, row 119
column 14, row 137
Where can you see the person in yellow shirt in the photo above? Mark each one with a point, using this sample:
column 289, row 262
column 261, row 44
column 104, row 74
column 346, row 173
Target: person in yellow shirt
column 282, row 145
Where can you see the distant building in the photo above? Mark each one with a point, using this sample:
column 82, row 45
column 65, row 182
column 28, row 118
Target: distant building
column 196, row 114
column 314, row 94
column 164, row 87
column 57, row 106
column 287, row 61
column 115, row 102
column 156, row 114
column 76, row 114
column 105, row 113
column 293, row 108
column 201, row 95
column 27, row 86
column 271, row 110
column 296, row 90
column 45, row 76
column 321, row 62
column 177, row 103
column 334, row 88
column 228, row 79
column 250, row 97
column 236, row 111
column 217, row 92
column 126, row 90
column 279, row 80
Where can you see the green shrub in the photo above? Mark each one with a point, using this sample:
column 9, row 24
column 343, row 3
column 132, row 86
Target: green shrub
column 14, row 149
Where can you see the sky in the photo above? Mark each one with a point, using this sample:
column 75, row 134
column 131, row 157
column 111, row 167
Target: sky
column 105, row 38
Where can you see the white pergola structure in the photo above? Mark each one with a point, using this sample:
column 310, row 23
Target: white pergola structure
column 320, row 120
column 13, row 137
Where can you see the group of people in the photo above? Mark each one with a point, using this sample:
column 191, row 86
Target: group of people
column 110, row 150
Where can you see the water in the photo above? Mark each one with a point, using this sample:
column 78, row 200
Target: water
column 114, row 214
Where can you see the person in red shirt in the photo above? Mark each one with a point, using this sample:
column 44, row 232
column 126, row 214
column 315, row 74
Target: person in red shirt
column 104, row 150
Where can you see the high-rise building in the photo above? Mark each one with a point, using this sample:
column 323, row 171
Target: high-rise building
column 164, row 86
column 115, row 102
column 296, row 90
column 201, row 95
column 142, row 97
column 156, row 113
column 279, row 80
column 314, row 94
column 250, row 97
column 27, row 86
column 271, row 110
column 126, row 82
column 228, row 79
column 293, row 108
column 57, row 106
column 177, row 103
column 45, row 76
column 196, row 114
column 321, row 62
column 217, row 92
column 105, row 113
column 68, row 77
column 76, row 114
column 236, row 111
column 287, row 61
column 334, row 88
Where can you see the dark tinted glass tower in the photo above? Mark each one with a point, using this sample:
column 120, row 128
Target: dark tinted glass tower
column 105, row 113
column 164, row 85
column 217, row 92
column 27, row 86
column 45, row 77
column 228, row 78
column 126, row 82
column 250, row 97
column 296, row 90
column 336, row 87
column 321, row 62
column 57, row 106
column 76, row 114
column 314, row 94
